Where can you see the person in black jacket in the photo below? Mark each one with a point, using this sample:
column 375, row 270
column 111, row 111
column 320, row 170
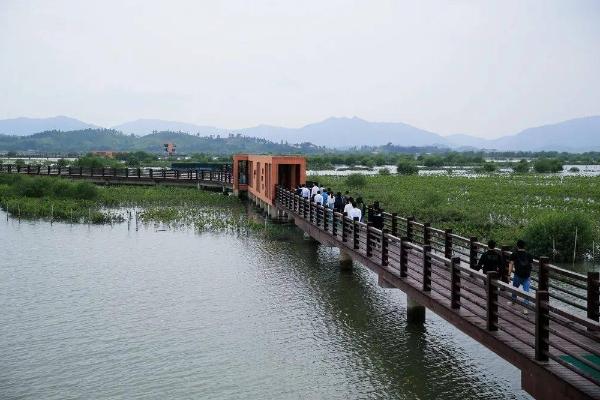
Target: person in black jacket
column 491, row 260
column 521, row 262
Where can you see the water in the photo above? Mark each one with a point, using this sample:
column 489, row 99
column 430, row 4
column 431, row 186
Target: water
column 465, row 171
column 109, row 313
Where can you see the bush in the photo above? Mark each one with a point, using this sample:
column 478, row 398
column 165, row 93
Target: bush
column 19, row 162
column 574, row 169
column 356, row 180
column 522, row 167
column 553, row 235
column 85, row 191
column 61, row 162
column 545, row 165
column 407, row 168
column 488, row 167
column 384, row 171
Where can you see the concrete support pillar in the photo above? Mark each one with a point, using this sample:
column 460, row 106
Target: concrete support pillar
column 345, row 260
column 415, row 313
column 272, row 211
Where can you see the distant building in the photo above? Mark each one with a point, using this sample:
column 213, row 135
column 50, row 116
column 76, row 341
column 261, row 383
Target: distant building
column 105, row 153
column 170, row 148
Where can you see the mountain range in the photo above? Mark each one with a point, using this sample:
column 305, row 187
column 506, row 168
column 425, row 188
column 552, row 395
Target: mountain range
column 575, row 135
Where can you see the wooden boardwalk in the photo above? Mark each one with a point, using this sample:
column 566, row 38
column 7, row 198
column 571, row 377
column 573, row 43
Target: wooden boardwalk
column 556, row 344
column 136, row 176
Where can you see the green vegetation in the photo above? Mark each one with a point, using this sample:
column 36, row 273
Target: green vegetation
column 522, row 167
column 384, row 171
column 546, row 165
column 356, row 181
column 405, row 167
column 106, row 139
column 60, row 199
column 490, row 207
column 554, row 234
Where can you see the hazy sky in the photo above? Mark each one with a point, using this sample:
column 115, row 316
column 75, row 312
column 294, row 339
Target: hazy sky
column 484, row 68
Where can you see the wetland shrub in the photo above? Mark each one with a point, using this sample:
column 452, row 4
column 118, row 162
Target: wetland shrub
column 356, row 180
column 553, row 235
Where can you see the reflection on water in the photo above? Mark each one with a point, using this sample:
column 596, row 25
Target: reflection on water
column 106, row 312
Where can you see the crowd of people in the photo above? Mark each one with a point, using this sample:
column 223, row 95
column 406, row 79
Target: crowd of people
column 342, row 203
column 519, row 265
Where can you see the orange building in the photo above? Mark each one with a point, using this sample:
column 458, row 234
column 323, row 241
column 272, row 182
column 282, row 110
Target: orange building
column 259, row 174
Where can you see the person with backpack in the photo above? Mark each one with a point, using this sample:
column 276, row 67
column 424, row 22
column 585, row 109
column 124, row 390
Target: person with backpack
column 491, row 260
column 521, row 262
column 376, row 215
column 339, row 202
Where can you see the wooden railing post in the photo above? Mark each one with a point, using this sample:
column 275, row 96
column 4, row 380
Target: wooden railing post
column 114, row 172
column 492, row 301
column 426, row 268
column 139, row 172
column 593, row 291
column 126, row 172
column 455, row 283
column 384, row 247
column 356, row 234
column 80, row 171
column 426, row 233
column 542, row 329
column 334, row 226
column 151, row 173
column 448, row 243
column 369, row 247
column 473, row 252
column 344, row 227
column 403, row 257
column 395, row 224
column 48, row 173
column 409, row 228
column 325, row 218
column 504, row 273
column 544, row 275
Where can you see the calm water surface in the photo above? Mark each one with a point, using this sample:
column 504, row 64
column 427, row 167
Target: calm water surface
column 111, row 313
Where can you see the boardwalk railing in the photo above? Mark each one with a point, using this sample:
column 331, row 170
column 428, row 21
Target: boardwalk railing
column 130, row 174
column 559, row 327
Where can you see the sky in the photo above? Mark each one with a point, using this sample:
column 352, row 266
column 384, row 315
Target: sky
column 476, row 67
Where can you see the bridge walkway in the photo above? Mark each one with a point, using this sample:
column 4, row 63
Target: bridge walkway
column 556, row 345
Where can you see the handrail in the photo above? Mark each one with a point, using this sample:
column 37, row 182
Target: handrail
column 456, row 281
column 224, row 176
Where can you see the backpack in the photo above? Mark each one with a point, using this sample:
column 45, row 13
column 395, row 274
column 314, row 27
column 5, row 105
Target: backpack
column 522, row 263
column 492, row 261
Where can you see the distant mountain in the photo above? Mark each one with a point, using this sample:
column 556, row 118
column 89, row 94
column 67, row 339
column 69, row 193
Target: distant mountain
column 28, row 126
column 575, row 135
column 142, row 127
column 87, row 140
column 349, row 132
column 580, row 134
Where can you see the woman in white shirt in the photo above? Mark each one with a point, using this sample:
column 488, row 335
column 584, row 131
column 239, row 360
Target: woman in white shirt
column 348, row 207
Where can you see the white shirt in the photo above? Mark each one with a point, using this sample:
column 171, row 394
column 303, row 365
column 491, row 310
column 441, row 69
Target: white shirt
column 314, row 190
column 318, row 199
column 331, row 200
column 347, row 208
column 356, row 213
column 305, row 192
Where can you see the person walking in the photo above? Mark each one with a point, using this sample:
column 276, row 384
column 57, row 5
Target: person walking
column 331, row 200
column 376, row 216
column 492, row 260
column 339, row 203
column 305, row 192
column 325, row 195
column 314, row 190
column 348, row 207
column 355, row 213
column 521, row 262
column 318, row 198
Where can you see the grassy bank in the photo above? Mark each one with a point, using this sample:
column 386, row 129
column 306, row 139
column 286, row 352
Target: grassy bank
column 64, row 200
column 498, row 207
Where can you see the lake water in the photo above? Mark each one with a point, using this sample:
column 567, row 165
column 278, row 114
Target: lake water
column 468, row 171
column 113, row 313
